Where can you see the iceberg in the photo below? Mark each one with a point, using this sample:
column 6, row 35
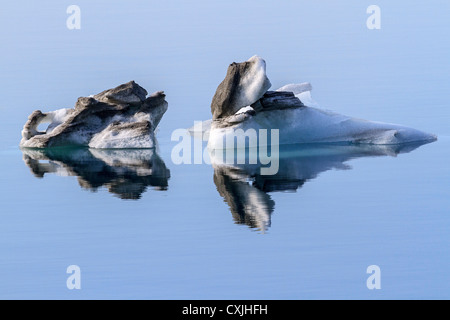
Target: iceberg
column 293, row 112
column 122, row 117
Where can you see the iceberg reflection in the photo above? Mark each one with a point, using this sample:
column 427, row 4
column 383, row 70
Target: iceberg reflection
column 126, row 173
column 246, row 191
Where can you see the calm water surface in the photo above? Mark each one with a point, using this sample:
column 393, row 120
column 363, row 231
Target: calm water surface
column 140, row 226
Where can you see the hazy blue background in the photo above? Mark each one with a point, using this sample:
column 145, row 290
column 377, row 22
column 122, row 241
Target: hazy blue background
column 182, row 243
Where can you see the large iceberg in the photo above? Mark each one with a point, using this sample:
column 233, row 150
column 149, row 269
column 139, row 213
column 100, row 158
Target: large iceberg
column 122, row 117
column 293, row 112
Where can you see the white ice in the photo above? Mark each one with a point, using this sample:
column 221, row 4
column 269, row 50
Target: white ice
column 297, row 88
column 121, row 139
column 108, row 138
column 254, row 81
column 313, row 125
column 301, row 91
column 244, row 110
column 56, row 118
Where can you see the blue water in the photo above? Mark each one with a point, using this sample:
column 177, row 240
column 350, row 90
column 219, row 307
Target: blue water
column 182, row 233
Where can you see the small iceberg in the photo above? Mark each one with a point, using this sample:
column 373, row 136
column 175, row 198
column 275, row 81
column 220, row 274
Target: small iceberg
column 242, row 101
column 122, row 117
